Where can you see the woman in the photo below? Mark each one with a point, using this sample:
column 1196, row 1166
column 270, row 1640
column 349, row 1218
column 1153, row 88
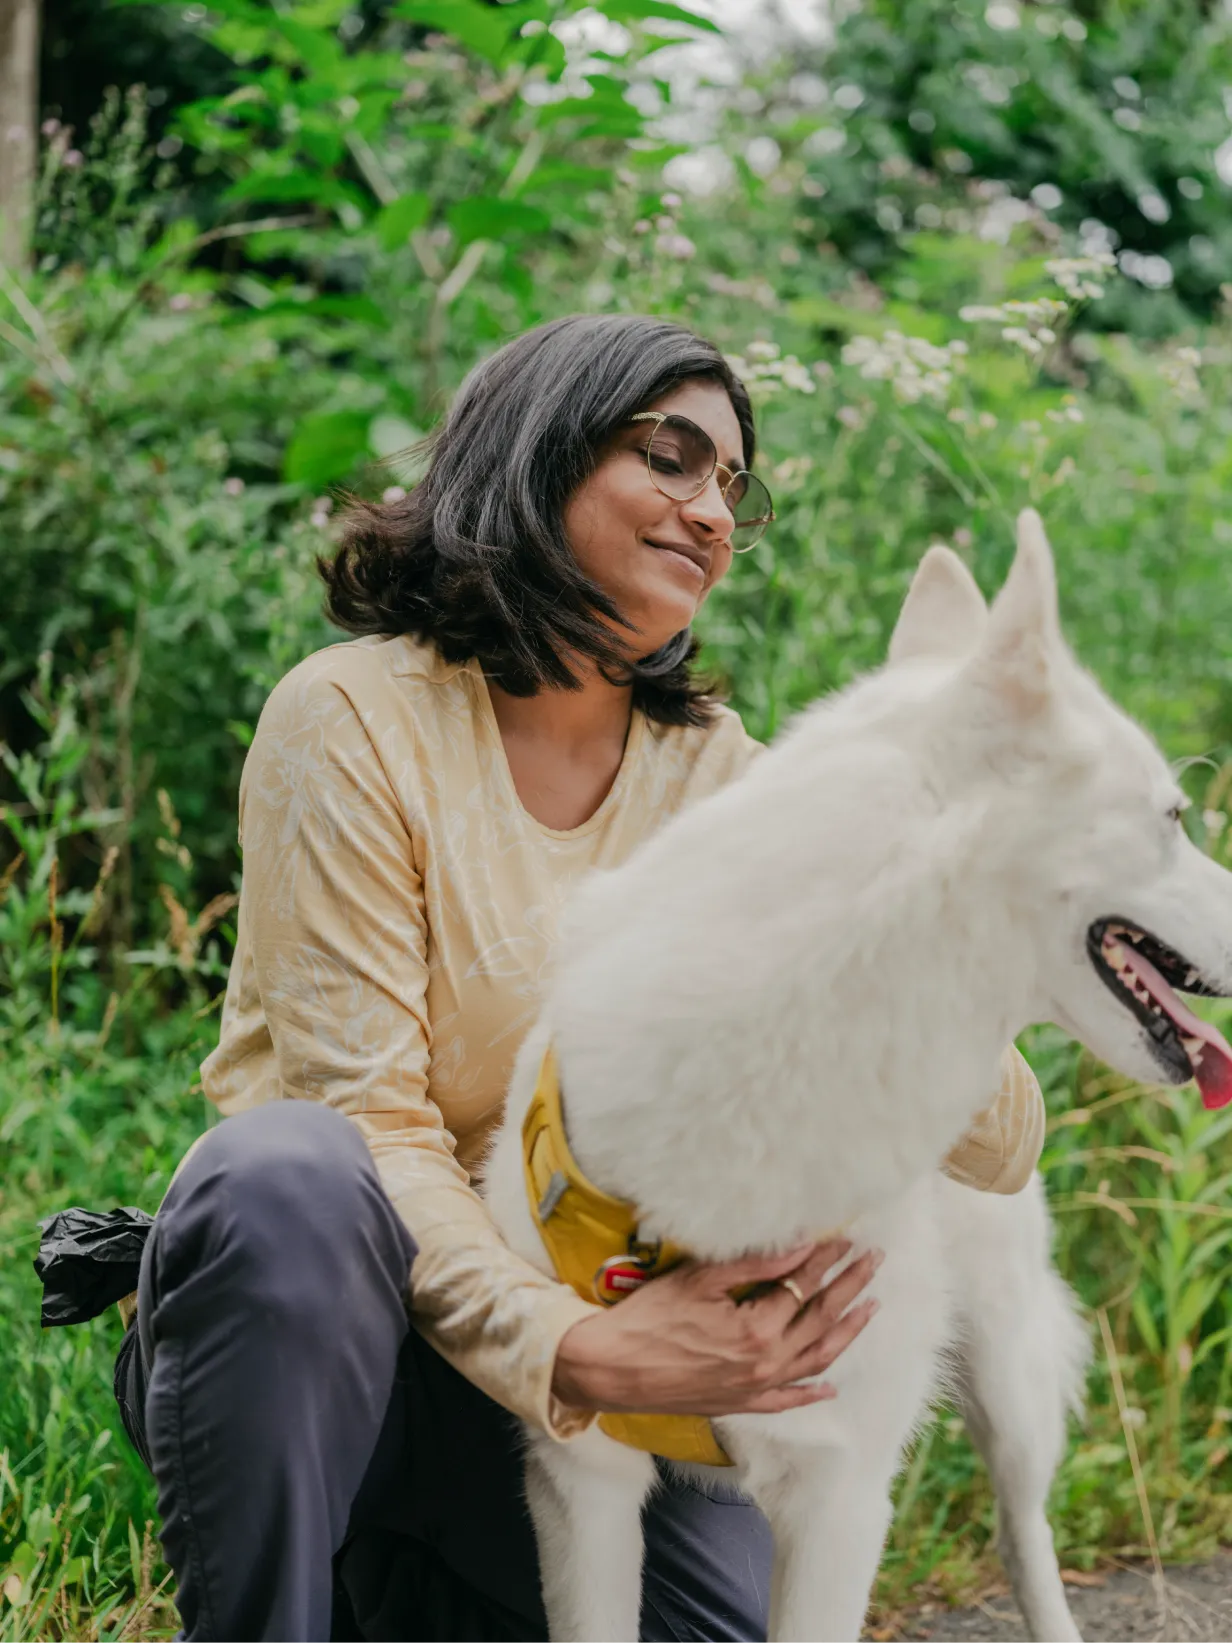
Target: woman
column 415, row 808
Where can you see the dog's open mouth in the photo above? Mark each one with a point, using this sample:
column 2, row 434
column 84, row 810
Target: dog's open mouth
column 1143, row 972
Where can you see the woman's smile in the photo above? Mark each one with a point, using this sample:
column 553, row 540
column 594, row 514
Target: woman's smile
column 691, row 558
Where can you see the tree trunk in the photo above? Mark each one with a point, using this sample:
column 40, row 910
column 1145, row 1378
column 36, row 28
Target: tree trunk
column 18, row 116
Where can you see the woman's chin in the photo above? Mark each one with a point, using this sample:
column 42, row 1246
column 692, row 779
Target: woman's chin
column 664, row 623
column 672, row 603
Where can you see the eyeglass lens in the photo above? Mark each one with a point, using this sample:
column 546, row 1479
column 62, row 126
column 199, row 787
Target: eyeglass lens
column 682, row 458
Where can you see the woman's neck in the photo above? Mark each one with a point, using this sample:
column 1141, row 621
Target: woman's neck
column 564, row 747
column 571, row 722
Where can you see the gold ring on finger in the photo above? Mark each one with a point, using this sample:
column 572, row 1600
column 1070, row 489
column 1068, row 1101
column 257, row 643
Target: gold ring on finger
column 793, row 1288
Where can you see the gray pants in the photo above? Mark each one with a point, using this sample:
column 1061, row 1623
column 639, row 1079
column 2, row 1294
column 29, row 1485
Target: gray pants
column 321, row 1472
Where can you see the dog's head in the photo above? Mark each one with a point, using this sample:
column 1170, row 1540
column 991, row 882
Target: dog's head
column 1123, row 911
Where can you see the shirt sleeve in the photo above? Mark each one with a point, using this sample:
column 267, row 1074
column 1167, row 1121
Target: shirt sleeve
column 1001, row 1149
column 334, row 912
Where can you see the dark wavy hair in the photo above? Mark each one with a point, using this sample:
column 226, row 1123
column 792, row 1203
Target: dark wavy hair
column 475, row 559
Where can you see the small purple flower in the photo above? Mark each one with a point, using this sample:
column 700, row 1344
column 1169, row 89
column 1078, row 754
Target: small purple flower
column 233, row 486
column 675, row 245
column 74, row 158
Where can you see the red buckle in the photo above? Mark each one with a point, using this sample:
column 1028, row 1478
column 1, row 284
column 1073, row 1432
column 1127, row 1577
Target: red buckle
column 619, row 1276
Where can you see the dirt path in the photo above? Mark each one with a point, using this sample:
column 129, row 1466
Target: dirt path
column 1197, row 1609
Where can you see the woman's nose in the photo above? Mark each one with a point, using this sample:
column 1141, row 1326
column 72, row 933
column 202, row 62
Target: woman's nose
column 707, row 511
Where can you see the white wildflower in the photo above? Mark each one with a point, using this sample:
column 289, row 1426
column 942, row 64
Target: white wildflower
column 1022, row 338
column 679, row 246
column 1081, row 277
column 915, row 368
column 1180, row 371
column 1029, row 320
column 764, row 370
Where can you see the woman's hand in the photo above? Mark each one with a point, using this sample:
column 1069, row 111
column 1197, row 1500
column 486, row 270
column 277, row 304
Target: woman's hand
column 680, row 1345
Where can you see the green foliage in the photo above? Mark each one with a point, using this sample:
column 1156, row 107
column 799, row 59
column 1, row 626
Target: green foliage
column 1117, row 108
column 379, row 200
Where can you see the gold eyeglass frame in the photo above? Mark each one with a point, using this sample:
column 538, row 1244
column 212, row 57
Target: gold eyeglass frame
column 659, row 418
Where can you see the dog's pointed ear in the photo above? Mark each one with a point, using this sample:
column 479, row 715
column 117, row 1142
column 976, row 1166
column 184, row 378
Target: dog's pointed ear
column 1022, row 644
column 944, row 613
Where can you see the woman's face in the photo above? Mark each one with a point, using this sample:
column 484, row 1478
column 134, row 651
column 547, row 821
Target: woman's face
column 655, row 558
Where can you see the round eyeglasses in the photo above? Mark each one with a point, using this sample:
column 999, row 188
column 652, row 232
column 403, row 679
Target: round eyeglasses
column 681, row 459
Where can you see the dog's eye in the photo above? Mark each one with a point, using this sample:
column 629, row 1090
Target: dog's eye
column 1178, row 810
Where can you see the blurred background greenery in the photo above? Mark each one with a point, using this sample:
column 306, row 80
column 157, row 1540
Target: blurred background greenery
column 971, row 256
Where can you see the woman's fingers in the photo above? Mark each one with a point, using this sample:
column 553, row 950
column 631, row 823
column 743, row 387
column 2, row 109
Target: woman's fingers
column 821, row 1351
column 812, row 1270
column 828, row 1305
column 788, row 1397
column 722, row 1277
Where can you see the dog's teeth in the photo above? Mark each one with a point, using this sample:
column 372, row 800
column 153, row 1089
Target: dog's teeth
column 1191, row 976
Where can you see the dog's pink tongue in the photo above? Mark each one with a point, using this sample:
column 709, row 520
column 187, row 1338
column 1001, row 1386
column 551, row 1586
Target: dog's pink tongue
column 1212, row 1058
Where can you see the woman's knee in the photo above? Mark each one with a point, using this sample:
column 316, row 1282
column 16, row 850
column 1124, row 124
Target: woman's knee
column 284, row 1200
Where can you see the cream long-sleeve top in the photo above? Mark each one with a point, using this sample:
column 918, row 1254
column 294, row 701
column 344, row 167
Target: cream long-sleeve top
column 397, row 918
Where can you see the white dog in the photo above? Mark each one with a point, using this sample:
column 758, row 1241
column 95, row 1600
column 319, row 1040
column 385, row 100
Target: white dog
column 777, row 1018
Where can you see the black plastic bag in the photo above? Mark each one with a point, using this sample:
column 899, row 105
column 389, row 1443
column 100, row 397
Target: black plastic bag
column 88, row 1260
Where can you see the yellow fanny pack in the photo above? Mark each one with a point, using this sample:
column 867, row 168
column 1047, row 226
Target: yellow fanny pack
column 594, row 1244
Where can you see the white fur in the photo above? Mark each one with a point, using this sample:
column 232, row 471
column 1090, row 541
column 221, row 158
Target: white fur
column 780, row 1015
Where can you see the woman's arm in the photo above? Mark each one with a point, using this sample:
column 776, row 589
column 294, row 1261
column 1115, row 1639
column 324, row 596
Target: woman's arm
column 333, row 924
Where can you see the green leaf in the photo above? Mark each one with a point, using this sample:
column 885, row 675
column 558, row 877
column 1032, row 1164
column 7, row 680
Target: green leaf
column 317, row 50
column 482, row 218
column 318, row 14
column 480, row 28
column 333, row 305
column 282, row 185
column 1141, row 1309
column 399, row 220
column 326, row 447
column 637, row 11
column 605, row 117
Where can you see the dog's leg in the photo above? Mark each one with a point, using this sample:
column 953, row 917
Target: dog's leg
column 1017, row 1382
column 829, row 1511
column 586, row 1503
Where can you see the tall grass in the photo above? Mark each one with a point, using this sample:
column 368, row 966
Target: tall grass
column 98, row 1099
